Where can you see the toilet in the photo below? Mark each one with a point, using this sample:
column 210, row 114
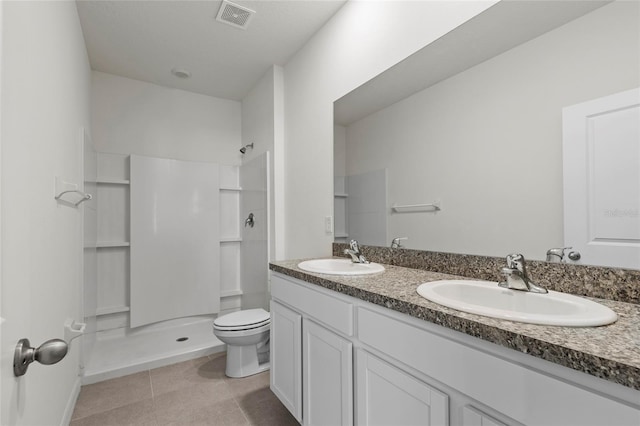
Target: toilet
column 246, row 334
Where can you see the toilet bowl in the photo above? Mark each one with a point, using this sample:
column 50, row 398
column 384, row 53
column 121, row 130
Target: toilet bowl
column 246, row 334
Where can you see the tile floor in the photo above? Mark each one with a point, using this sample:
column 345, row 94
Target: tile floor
column 194, row 392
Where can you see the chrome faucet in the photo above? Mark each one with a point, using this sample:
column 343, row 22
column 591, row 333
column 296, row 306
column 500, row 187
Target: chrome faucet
column 556, row 255
column 354, row 252
column 516, row 275
column 397, row 242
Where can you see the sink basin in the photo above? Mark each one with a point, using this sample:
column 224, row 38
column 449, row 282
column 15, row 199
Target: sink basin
column 488, row 299
column 340, row 267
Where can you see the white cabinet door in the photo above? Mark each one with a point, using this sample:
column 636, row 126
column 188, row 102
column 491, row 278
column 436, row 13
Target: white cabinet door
column 286, row 359
column 601, row 156
column 474, row 417
column 327, row 377
column 386, row 395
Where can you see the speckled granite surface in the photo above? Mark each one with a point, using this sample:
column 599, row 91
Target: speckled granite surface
column 611, row 352
column 622, row 285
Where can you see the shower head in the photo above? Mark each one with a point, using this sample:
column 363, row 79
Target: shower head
column 244, row 148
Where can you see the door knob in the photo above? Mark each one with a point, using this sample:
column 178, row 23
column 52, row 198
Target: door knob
column 48, row 353
column 574, row 255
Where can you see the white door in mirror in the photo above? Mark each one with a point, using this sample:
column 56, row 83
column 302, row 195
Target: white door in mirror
column 488, row 299
column 601, row 155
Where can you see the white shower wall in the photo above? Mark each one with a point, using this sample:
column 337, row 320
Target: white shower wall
column 120, row 349
column 133, row 117
column 255, row 240
column 112, row 310
column 175, row 234
column 230, row 239
column 90, row 242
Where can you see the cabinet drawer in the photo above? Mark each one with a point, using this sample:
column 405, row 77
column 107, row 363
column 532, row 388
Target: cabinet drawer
column 319, row 305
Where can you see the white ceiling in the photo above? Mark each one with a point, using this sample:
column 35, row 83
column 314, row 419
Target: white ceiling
column 144, row 40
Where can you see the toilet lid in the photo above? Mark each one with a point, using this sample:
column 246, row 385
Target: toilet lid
column 249, row 318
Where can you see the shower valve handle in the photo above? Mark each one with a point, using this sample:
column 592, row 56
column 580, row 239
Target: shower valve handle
column 249, row 221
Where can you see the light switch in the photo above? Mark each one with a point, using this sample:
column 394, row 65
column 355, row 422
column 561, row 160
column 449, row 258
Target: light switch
column 328, row 224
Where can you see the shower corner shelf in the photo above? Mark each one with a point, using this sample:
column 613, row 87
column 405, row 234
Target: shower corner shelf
column 231, row 293
column 230, row 188
column 230, row 239
column 112, row 310
column 106, row 244
column 112, row 181
column 340, row 195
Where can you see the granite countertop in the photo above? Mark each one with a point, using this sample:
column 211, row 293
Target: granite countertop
column 610, row 352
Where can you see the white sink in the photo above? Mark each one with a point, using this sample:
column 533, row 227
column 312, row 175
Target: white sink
column 340, row 267
column 488, row 299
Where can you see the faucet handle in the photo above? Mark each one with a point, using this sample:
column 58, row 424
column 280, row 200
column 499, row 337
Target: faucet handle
column 515, row 261
column 353, row 244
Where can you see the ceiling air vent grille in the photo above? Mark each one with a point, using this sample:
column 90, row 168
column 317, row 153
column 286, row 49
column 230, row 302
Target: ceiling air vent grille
column 235, row 15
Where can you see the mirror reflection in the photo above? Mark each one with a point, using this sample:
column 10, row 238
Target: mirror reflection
column 472, row 158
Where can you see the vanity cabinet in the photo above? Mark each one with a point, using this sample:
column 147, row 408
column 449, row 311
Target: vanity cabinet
column 326, row 376
column 351, row 361
column 389, row 396
column 286, row 358
column 311, row 354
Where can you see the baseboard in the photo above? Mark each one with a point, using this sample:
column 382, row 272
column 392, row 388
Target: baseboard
column 71, row 403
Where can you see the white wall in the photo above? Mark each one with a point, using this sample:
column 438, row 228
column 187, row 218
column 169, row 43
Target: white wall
column 360, row 41
column 258, row 124
column 488, row 141
column 133, row 117
column 45, row 103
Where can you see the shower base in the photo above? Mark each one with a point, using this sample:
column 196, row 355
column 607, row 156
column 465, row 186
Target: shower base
column 128, row 351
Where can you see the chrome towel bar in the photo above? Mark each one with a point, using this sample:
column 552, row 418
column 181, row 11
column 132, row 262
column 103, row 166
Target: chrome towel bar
column 410, row 208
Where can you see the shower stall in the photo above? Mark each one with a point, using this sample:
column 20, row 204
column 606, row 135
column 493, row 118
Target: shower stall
column 166, row 251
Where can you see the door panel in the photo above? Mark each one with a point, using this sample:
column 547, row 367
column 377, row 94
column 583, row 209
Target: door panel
column 286, row 359
column 327, row 377
column 388, row 396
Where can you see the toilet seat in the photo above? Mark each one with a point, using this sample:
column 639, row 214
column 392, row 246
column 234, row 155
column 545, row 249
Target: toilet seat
column 242, row 320
column 241, row 333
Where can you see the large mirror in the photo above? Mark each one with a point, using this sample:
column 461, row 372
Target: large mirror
column 459, row 148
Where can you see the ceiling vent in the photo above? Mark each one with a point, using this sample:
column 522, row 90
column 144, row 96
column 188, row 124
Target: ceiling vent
column 234, row 15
